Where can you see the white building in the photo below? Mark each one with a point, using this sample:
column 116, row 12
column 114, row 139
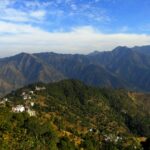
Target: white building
column 91, row 130
column 31, row 92
column 31, row 112
column 37, row 88
column 5, row 99
column 18, row 108
column 25, row 97
column 32, row 104
column 23, row 93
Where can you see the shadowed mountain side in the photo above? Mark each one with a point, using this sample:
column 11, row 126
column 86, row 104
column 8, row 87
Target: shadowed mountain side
column 23, row 69
column 81, row 68
column 121, row 68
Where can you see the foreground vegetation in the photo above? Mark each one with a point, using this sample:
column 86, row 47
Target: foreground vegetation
column 72, row 116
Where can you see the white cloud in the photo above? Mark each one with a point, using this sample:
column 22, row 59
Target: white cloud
column 9, row 12
column 79, row 40
column 74, row 7
column 40, row 14
column 16, row 29
column 6, row 3
column 51, row 12
column 14, row 15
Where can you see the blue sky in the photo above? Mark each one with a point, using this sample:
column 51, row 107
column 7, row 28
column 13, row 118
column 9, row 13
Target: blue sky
column 72, row 26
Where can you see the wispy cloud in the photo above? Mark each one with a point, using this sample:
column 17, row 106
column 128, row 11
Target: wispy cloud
column 6, row 3
column 52, row 12
column 39, row 14
column 89, row 11
column 16, row 29
column 12, row 13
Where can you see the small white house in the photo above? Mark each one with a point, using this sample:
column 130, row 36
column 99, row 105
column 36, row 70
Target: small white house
column 32, row 104
column 5, row 99
column 23, row 93
column 91, row 130
column 31, row 112
column 25, row 97
column 117, row 139
column 18, row 108
column 37, row 88
column 31, row 92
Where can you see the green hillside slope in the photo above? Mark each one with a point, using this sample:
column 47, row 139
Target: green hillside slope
column 69, row 115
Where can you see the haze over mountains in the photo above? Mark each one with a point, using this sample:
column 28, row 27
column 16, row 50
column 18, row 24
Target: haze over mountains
column 122, row 67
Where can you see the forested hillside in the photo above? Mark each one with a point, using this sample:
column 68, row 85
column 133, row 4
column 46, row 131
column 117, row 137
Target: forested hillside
column 69, row 115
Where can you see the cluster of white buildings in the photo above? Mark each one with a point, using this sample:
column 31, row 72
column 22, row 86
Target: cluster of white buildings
column 22, row 108
column 18, row 108
column 111, row 138
column 27, row 96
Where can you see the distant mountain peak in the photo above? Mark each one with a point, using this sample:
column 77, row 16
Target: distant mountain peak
column 23, row 54
column 94, row 53
column 122, row 51
column 26, row 56
column 120, row 48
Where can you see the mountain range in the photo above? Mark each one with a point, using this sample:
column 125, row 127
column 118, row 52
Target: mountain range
column 122, row 67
